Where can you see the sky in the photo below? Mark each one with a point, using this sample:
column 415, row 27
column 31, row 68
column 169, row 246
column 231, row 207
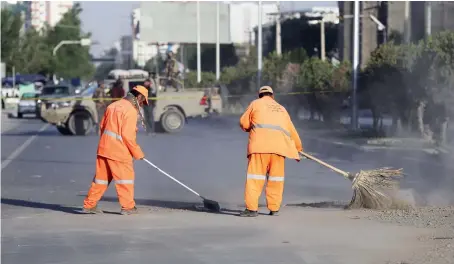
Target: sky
column 108, row 21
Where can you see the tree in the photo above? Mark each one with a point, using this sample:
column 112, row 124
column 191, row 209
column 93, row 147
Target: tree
column 208, row 56
column 385, row 91
column 435, row 75
column 11, row 25
column 35, row 55
column 70, row 60
column 31, row 51
column 273, row 69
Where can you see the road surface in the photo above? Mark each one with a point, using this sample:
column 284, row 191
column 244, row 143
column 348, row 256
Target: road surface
column 45, row 177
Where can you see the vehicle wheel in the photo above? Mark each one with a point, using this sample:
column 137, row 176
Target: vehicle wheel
column 172, row 121
column 80, row 123
column 19, row 115
column 64, row 130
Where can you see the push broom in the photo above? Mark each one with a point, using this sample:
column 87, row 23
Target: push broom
column 372, row 189
column 208, row 204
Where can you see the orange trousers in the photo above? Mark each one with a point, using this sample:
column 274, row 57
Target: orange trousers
column 107, row 170
column 261, row 167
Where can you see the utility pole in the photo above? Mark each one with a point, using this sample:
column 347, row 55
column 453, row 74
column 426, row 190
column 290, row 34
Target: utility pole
column 322, row 38
column 259, row 46
column 278, row 30
column 428, row 10
column 354, row 119
column 199, row 60
column 407, row 23
column 14, row 77
column 218, row 48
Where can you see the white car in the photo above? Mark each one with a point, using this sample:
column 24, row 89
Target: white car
column 26, row 104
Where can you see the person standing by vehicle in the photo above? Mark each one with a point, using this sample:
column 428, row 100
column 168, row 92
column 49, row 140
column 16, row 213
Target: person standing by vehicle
column 272, row 138
column 117, row 91
column 149, row 109
column 116, row 150
column 100, row 96
column 171, row 71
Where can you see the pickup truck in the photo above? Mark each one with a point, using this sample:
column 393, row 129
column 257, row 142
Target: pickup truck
column 77, row 115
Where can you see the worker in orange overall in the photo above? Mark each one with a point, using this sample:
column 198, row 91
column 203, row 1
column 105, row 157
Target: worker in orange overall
column 272, row 138
column 116, row 150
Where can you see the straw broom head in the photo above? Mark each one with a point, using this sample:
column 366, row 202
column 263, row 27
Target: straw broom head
column 375, row 189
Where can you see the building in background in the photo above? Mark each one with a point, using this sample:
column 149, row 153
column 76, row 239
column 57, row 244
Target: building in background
column 40, row 13
column 244, row 18
column 126, row 52
column 392, row 15
column 141, row 51
column 330, row 15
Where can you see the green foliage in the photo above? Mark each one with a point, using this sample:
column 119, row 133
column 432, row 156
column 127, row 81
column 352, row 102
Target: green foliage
column 208, row 56
column 11, row 25
column 31, row 51
column 273, row 68
column 315, row 75
column 414, row 83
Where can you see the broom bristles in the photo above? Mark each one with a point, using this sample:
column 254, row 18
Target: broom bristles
column 375, row 189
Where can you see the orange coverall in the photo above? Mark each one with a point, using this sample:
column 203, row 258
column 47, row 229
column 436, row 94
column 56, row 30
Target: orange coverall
column 272, row 138
column 116, row 150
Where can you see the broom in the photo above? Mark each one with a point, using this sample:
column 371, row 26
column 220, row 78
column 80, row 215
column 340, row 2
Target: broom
column 372, row 189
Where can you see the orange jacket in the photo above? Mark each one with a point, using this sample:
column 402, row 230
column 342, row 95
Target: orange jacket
column 118, row 129
column 270, row 129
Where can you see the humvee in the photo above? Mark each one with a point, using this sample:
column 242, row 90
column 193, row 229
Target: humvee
column 77, row 115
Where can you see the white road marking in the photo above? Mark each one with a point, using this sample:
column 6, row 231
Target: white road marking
column 22, row 147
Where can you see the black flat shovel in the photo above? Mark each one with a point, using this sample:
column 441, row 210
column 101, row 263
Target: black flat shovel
column 208, row 204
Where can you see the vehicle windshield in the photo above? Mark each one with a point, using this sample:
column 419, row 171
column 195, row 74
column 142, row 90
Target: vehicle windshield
column 89, row 91
column 55, row 90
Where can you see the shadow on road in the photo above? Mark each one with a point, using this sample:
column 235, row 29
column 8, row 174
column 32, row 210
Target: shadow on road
column 52, row 161
column 326, row 204
column 175, row 205
column 33, row 133
column 11, row 116
column 38, row 205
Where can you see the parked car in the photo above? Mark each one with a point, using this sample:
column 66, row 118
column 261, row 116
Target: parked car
column 26, row 104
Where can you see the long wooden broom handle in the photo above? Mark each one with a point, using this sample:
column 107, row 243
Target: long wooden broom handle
column 345, row 174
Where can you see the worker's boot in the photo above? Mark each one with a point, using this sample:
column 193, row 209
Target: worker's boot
column 249, row 213
column 129, row 211
column 274, row 213
column 93, row 210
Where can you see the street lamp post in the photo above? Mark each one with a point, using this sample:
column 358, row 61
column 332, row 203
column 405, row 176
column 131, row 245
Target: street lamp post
column 354, row 119
column 278, row 30
column 82, row 42
column 199, row 59
column 218, row 48
column 259, row 45
column 322, row 38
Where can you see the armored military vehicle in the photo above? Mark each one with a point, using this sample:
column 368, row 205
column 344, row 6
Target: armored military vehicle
column 76, row 115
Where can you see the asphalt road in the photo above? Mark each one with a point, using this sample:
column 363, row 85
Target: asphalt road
column 45, row 177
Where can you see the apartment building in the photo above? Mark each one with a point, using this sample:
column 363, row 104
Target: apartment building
column 40, row 13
